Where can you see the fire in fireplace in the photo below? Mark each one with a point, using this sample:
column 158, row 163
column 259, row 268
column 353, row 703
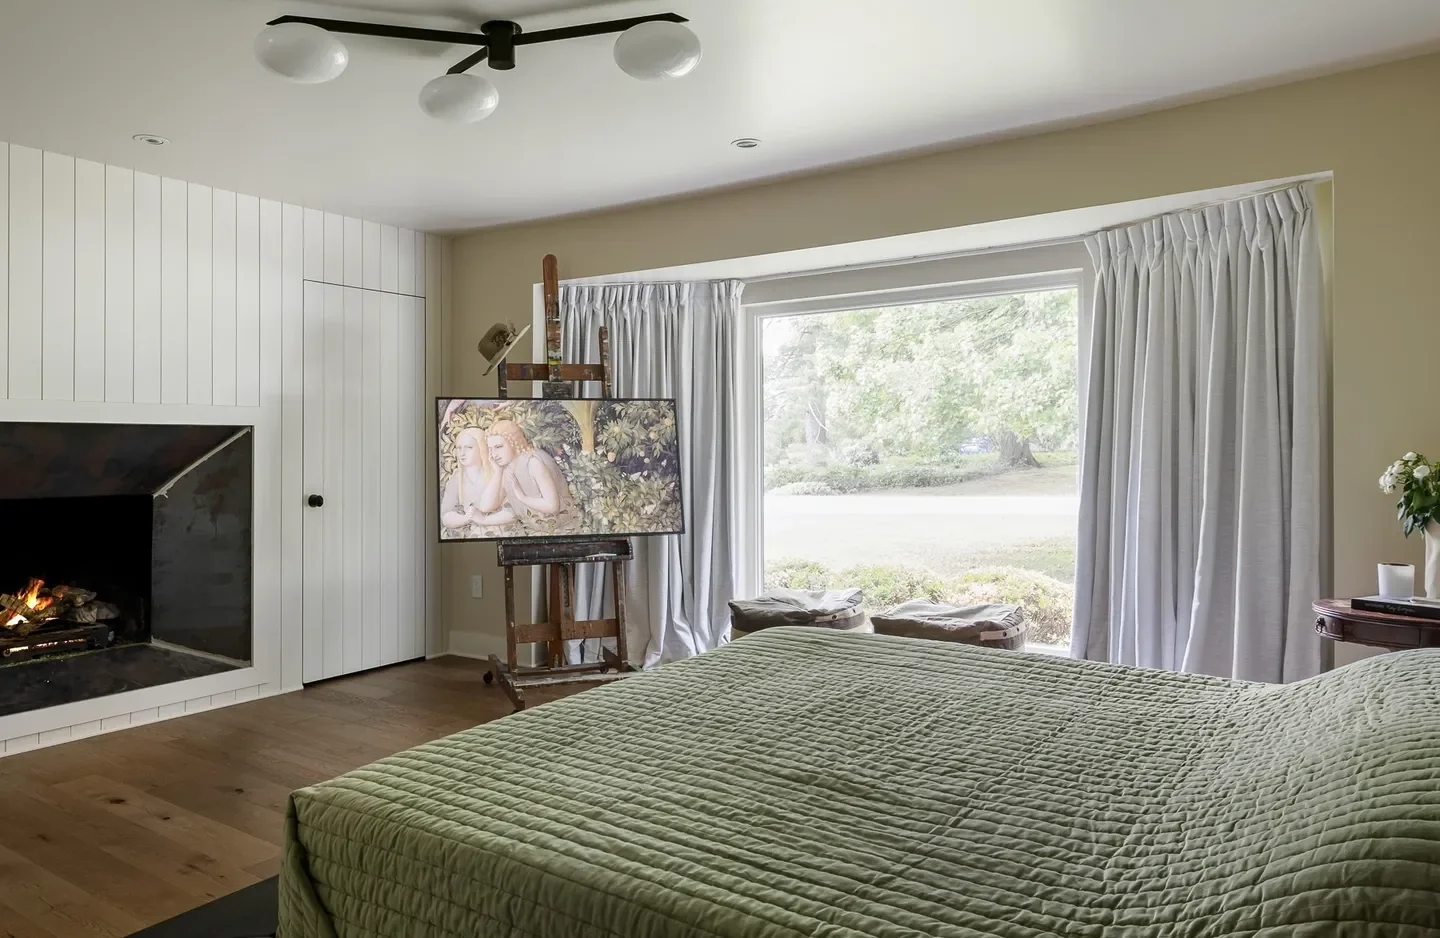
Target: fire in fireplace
column 135, row 565
column 40, row 621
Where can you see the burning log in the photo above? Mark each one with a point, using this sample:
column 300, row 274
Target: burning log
column 24, row 612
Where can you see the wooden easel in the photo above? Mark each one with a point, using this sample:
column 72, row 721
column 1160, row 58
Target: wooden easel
column 559, row 557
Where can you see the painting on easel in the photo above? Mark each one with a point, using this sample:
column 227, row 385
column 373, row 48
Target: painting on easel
column 527, row 468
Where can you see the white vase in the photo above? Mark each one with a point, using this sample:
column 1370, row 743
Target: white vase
column 1432, row 560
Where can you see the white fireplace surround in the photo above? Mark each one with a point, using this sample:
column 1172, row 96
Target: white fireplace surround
column 21, row 731
column 130, row 299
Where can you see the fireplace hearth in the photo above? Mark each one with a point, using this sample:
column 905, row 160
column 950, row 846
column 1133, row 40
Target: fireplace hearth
column 127, row 561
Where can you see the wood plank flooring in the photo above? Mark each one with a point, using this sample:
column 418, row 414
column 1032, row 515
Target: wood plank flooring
column 104, row 836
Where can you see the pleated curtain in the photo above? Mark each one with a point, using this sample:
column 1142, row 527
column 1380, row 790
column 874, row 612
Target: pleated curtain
column 670, row 340
column 1204, row 466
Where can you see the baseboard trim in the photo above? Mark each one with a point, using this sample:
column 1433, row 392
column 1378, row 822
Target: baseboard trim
column 469, row 644
column 482, row 645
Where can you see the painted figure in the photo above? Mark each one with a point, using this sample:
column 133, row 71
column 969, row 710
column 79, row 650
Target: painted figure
column 503, row 480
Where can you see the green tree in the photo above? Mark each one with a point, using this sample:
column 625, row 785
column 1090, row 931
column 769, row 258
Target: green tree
column 915, row 382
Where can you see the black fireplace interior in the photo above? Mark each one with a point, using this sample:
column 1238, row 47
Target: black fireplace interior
column 155, row 522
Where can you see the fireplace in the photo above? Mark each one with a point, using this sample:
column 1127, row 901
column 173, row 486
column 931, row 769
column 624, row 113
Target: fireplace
column 125, row 560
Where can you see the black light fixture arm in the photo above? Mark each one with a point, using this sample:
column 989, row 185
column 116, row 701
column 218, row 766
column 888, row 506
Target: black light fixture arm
column 497, row 38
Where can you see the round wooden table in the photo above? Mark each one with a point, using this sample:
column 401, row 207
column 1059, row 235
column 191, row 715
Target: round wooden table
column 1336, row 620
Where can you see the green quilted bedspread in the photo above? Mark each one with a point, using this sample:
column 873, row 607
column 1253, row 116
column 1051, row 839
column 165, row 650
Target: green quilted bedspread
column 802, row 782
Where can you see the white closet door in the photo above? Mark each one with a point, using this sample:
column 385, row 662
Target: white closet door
column 364, row 455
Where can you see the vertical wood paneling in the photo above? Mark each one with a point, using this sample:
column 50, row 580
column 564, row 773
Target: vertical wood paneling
column 354, row 454
column 434, row 289
column 120, row 266
column 314, row 244
column 391, row 494
column 421, row 432
column 353, row 251
column 146, row 358
column 405, row 279
column 333, row 430
column 90, row 285
column 119, row 286
column 222, row 299
column 247, row 300
column 294, row 442
column 199, row 359
column 174, row 292
column 410, row 610
column 389, row 258
column 269, row 545
column 27, row 215
column 4, row 271
column 314, row 519
column 370, row 255
column 370, row 496
column 57, row 302
column 334, row 248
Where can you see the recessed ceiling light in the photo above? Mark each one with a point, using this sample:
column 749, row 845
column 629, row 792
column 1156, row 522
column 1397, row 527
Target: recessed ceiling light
column 746, row 143
column 151, row 139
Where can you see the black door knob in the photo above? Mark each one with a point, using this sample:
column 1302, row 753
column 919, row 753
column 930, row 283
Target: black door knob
column 315, row 501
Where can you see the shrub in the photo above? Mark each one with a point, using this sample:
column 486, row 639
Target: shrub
column 791, row 573
column 1047, row 601
column 858, row 454
column 806, row 487
column 838, row 479
column 887, row 586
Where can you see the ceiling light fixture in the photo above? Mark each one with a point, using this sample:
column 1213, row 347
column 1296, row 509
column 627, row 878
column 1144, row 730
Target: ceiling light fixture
column 746, row 143
column 151, row 139
column 301, row 52
column 657, row 51
column 304, row 49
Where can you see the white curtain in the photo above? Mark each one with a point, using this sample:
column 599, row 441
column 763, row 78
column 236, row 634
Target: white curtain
column 1204, row 453
column 675, row 340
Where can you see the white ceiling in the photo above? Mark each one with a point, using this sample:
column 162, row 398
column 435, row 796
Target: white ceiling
column 820, row 81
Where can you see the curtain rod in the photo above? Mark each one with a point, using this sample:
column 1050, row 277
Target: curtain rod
column 1200, row 206
column 976, row 252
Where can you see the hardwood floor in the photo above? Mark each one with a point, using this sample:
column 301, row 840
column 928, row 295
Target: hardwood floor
column 106, row 835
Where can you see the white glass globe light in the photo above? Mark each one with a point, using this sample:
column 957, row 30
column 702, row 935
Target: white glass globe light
column 657, row 51
column 459, row 99
column 301, row 52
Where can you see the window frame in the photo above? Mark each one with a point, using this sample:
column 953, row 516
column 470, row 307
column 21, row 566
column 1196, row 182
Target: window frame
column 750, row 458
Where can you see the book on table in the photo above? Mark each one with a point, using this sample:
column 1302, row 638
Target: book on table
column 1416, row 608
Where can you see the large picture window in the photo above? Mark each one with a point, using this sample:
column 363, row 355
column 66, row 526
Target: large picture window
column 926, row 450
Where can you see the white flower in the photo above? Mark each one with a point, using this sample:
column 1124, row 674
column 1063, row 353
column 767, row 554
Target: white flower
column 1411, row 456
column 1397, row 467
column 1420, row 471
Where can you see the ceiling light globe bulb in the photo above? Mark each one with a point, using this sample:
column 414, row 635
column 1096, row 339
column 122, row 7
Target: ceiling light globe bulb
column 301, row 52
column 657, row 51
column 459, row 99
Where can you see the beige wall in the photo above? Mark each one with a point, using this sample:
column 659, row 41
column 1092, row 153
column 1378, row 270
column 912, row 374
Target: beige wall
column 1375, row 129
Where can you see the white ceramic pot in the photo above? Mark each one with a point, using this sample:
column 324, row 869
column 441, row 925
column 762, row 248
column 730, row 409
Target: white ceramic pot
column 1432, row 561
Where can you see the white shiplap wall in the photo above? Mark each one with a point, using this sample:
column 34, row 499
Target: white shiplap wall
column 132, row 298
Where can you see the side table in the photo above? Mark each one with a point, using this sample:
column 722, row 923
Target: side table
column 1336, row 620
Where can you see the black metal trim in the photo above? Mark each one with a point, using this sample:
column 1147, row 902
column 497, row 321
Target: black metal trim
column 385, row 30
column 505, row 38
column 595, row 29
column 467, row 63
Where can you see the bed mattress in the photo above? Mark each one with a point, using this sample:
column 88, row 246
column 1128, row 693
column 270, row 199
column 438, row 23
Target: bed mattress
column 804, row 782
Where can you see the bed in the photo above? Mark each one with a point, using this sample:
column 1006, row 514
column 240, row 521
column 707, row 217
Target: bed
column 803, row 782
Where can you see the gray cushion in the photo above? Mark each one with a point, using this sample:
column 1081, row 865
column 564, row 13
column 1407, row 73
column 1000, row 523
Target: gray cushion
column 995, row 624
column 831, row 609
